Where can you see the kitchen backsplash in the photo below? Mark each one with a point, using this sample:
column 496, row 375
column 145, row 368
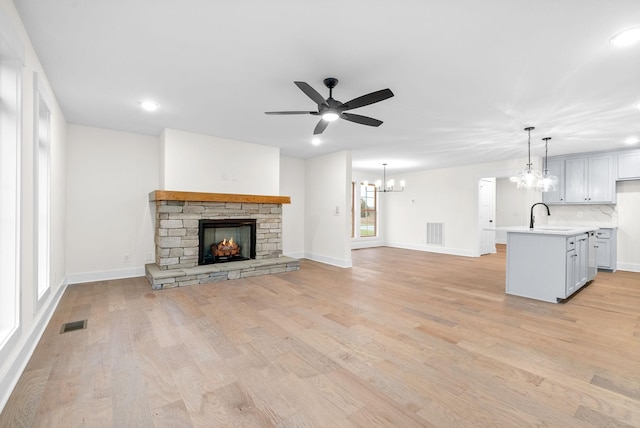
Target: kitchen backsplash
column 581, row 215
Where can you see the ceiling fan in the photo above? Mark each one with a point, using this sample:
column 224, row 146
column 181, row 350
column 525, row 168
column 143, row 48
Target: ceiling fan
column 331, row 109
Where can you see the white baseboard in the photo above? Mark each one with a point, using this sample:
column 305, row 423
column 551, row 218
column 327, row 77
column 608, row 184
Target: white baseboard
column 27, row 346
column 295, row 255
column 78, row 278
column 432, row 249
column 630, row 267
column 328, row 260
column 355, row 245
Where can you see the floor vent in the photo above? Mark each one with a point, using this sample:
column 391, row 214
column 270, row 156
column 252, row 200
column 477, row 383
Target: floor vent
column 435, row 233
column 74, row 325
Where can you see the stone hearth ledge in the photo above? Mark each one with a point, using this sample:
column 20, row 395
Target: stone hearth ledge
column 203, row 274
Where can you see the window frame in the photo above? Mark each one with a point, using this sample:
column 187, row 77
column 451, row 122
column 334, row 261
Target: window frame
column 364, row 192
column 11, row 69
column 42, row 120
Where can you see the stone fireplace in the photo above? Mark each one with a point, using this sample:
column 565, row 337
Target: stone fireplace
column 181, row 220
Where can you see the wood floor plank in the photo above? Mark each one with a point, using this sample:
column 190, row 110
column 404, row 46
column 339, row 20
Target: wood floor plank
column 404, row 338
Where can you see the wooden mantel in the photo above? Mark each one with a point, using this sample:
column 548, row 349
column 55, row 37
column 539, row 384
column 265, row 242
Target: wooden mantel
column 170, row 195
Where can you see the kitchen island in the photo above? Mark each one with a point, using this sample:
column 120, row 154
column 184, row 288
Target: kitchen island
column 550, row 263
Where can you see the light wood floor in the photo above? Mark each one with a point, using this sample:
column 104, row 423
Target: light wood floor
column 403, row 339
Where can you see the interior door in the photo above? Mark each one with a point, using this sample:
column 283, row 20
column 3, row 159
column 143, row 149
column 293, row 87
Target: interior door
column 487, row 213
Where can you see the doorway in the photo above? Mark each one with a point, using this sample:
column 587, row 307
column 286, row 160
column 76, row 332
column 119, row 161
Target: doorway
column 487, row 215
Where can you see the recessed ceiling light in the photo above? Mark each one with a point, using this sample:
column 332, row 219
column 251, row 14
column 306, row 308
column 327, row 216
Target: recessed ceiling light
column 638, row 106
column 316, row 141
column 149, row 106
column 631, row 141
column 626, row 37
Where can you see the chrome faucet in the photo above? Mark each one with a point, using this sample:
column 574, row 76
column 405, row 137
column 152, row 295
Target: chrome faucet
column 532, row 218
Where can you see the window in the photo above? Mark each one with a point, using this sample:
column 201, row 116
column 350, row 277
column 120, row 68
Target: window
column 368, row 210
column 353, row 209
column 11, row 54
column 42, row 180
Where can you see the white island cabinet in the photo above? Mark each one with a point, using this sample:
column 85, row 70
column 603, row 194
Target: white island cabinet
column 549, row 264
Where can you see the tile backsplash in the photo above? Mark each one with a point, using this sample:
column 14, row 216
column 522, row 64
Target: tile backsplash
column 581, row 215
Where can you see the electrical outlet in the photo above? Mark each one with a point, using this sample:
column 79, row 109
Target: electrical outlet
column 337, row 211
column 147, row 257
column 579, row 213
column 126, row 258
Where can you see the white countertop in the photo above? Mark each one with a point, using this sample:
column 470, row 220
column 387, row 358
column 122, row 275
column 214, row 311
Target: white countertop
column 552, row 230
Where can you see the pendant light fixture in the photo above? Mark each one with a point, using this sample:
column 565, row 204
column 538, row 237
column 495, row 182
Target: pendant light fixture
column 389, row 186
column 529, row 178
column 549, row 181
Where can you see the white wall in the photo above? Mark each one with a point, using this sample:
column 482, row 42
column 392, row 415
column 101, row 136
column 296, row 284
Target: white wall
column 202, row 163
column 434, row 196
column 292, row 183
column 33, row 317
column 110, row 175
column 328, row 209
column 448, row 195
column 513, row 207
column 628, row 194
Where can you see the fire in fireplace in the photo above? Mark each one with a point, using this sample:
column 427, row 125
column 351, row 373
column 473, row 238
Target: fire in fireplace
column 226, row 240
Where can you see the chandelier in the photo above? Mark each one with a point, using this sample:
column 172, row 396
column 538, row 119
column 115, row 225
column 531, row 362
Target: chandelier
column 389, row 186
column 529, row 178
column 549, row 182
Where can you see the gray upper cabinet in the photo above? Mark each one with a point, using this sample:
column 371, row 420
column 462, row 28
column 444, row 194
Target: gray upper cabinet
column 576, row 180
column 629, row 165
column 583, row 179
column 590, row 180
column 555, row 167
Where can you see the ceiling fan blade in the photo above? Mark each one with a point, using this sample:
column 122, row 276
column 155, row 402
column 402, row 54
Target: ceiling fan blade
column 363, row 120
column 290, row 112
column 365, row 100
column 320, row 127
column 310, row 92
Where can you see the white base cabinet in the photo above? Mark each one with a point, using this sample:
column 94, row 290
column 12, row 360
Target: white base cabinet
column 548, row 267
column 606, row 244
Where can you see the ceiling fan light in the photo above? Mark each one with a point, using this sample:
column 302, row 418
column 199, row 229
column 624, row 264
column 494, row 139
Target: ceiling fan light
column 626, row 37
column 330, row 116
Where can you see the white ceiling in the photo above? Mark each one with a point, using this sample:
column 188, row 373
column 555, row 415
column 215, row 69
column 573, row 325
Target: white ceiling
column 468, row 75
